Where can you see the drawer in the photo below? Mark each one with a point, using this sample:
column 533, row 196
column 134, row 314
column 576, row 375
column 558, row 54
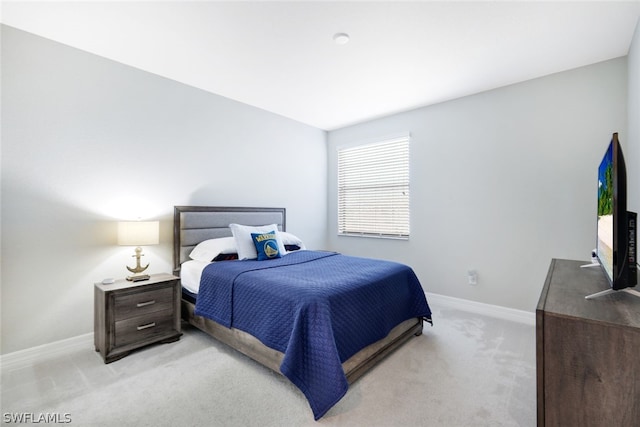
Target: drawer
column 141, row 303
column 142, row 328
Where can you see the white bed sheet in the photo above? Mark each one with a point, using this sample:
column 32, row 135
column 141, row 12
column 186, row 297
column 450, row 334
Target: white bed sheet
column 190, row 274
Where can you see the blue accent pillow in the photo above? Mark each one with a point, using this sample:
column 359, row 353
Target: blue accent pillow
column 266, row 245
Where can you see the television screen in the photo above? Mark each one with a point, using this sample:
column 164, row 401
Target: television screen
column 605, row 212
column 616, row 242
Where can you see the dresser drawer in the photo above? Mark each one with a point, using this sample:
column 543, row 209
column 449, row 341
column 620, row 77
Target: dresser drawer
column 141, row 328
column 141, row 303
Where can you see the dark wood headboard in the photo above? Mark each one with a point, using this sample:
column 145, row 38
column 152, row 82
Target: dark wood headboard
column 194, row 224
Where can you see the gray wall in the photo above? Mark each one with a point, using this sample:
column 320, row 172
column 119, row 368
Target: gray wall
column 501, row 182
column 87, row 141
column 632, row 146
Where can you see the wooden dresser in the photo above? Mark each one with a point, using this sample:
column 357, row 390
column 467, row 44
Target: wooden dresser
column 129, row 315
column 587, row 351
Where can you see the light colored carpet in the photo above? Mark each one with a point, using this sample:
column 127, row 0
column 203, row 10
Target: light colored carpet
column 467, row 370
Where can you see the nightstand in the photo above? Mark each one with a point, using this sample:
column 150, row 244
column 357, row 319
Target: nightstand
column 129, row 315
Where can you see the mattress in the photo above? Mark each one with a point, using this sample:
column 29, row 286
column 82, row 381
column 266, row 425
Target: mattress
column 191, row 274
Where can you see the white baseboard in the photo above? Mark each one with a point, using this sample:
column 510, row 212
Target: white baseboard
column 24, row 358
column 497, row 311
column 28, row 357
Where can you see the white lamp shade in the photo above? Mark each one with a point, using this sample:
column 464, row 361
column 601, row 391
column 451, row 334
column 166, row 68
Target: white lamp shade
column 138, row 233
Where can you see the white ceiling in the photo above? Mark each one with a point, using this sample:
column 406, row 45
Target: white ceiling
column 280, row 56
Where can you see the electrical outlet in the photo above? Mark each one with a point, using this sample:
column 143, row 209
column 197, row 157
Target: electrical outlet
column 472, row 276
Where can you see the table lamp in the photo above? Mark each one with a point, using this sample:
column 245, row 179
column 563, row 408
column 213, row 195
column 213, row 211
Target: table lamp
column 138, row 233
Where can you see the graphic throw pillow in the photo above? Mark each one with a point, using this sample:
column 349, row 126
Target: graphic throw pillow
column 266, row 245
column 244, row 242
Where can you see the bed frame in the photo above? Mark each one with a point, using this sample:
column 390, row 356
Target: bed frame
column 194, row 224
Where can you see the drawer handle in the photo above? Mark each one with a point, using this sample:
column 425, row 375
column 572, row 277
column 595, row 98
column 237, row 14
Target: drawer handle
column 142, row 304
column 147, row 326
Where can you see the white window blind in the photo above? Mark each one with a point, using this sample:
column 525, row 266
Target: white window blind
column 373, row 189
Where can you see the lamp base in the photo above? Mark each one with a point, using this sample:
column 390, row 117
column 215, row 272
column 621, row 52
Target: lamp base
column 138, row 277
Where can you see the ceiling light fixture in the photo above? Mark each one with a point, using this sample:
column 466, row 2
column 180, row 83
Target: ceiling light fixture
column 341, row 38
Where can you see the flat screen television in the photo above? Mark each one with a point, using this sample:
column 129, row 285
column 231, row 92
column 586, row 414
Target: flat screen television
column 616, row 241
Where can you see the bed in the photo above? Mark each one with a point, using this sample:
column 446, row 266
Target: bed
column 321, row 346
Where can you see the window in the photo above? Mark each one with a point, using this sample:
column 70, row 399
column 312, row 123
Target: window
column 373, row 189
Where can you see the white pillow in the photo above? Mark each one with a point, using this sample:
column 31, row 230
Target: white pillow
column 244, row 242
column 290, row 239
column 209, row 249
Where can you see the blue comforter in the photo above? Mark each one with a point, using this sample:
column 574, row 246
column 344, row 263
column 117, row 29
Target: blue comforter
column 317, row 308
